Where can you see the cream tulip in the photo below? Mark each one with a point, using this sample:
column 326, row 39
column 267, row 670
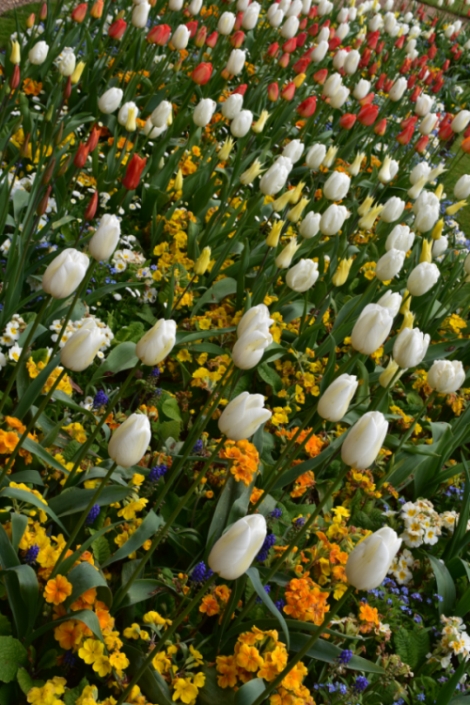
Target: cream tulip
column 335, row 400
column 410, row 347
column 371, row 329
column 446, row 376
column 363, row 442
column 157, row 343
column 234, row 552
column 369, row 562
column 302, row 276
column 130, row 441
column 422, row 278
column 105, row 239
column 65, row 273
column 242, row 417
column 81, row 348
column 389, row 265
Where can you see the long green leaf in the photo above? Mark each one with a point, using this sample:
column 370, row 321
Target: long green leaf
column 445, row 585
column 149, row 526
column 30, row 498
column 255, row 580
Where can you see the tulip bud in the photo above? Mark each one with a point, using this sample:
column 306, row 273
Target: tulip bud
column 410, row 347
column 241, row 123
column 460, row 121
column 31, row 20
column 15, row 56
column 81, row 156
column 401, row 238
column 77, row 74
column 116, row 29
column 336, row 186
column 110, row 100
column 391, row 301
column 335, row 400
column 330, row 157
column 134, row 171
column 157, row 343
column 43, row 12
column 226, row 150
column 202, row 262
column 452, row 210
column 389, row 265
column 204, row 111
column 130, row 441
column 67, row 61
column 422, row 278
column 81, row 348
column 44, row 202
column 364, row 441
column 310, row 226
column 127, row 116
column 333, row 219
column 180, row 37
column 242, row 417
column 105, row 239
column 236, row 62
column 426, row 251
column 284, row 259
column 232, row 106
column 276, row 176
column 259, row 125
column 202, row 73
column 97, row 9
column 316, row 156
column 371, row 329
column 388, row 170
column 370, row 561
column 391, row 373
column 342, row 272
column 446, row 376
column 65, row 273
column 302, row 276
column 140, row 15
column 234, row 552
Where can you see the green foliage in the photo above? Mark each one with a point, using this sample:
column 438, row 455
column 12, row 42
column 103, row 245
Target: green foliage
column 13, row 655
column 412, row 646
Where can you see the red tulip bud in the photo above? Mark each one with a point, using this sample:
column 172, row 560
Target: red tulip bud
column 381, row 127
column 97, row 10
column 192, row 26
column 320, row 76
column 307, row 107
column 43, row 12
column 284, row 61
column 15, row 77
column 422, row 144
column 290, row 46
column 367, row 115
column 201, row 36
column 273, row 50
column 92, row 207
column 42, row 206
column 347, row 121
column 400, row 42
column 133, row 172
column 432, row 51
column 313, row 29
column 415, row 94
column 273, row 92
column 288, row 91
column 237, row 39
column 30, row 21
column 159, row 35
column 202, row 73
column 68, row 88
column 301, row 38
column 465, row 145
column 301, row 65
column 211, row 40
column 79, row 12
column 241, row 89
column 81, row 155
column 92, row 142
column 117, row 29
column 334, row 43
column 372, row 39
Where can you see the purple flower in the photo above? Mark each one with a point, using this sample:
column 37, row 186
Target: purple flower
column 157, row 472
column 276, row 513
column 31, row 554
column 269, row 541
column 345, row 656
column 101, row 399
column 361, row 683
column 93, row 514
column 201, row 573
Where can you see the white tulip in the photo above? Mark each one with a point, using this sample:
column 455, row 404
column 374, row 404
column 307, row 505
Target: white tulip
column 361, row 89
column 290, row 27
column 333, row 219
column 410, row 347
column 140, row 15
column 422, row 278
column 249, row 348
column 130, row 441
column 427, row 210
column 65, row 273
column 389, row 265
column 242, row 417
column 388, row 170
column 315, row 156
column 256, row 318
column 232, row 106
column 319, row 53
column 127, row 109
column 446, row 376
column 401, row 238
column 302, row 276
column 336, row 186
column 67, row 61
column 241, row 123
column 370, row 561
column 152, row 131
column 105, row 239
column 80, row 349
column 110, row 100
column 460, row 121
column 157, row 342
column 310, row 225
column 356, row 165
column 363, row 442
column 226, row 23
column 428, row 124
column 194, row 7
column 38, row 54
column 335, row 400
column 371, row 329
column 440, row 246
column 462, row 188
column 235, row 551
column 175, row 5
column 276, row 176
column 324, row 7
column 423, row 105
column 343, row 30
column 332, row 84
column 392, row 210
column 293, row 150
column 204, row 111
column 391, row 301
column 250, row 16
column 180, row 37
column 236, row 62
column 398, row 89
column 420, row 171
column 161, row 114
column 352, row 62
column 276, row 16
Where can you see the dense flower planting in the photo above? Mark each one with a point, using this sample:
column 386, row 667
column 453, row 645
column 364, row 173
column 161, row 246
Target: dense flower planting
column 234, row 349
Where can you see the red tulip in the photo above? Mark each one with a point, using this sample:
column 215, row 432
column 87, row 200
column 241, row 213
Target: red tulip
column 273, row 92
column 372, row 39
column 159, row 35
column 381, row 81
column 31, row 20
column 201, row 36
column 334, row 43
column 313, row 29
column 320, row 76
column 465, row 145
column 445, row 65
column 301, row 65
column 133, row 172
column 42, row 207
column 92, row 207
column 301, row 37
column 412, row 80
column 81, row 155
column 422, row 144
column 284, row 61
column 192, row 26
column 273, row 50
column 406, row 66
column 117, row 29
column 347, row 121
column 290, row 46
column 97, row 9
column 365, row 58
column 43, row 12
column 405, row 136
column 373, row 69
column 241, row 89
column 93, row 139
column 237, row 39
column 15, row 77
column 380, row 127
column 202, row 73
column 367, row 115
column 288, row 91
column 415, row 94
column 211, row 40
column 307, row 107
column 79, row 12
column 432, row 51
column 400, row 42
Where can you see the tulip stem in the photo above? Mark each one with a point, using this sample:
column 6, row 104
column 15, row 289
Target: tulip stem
column 24, row 351
column 83, row 518
column 305, row 649
column 110, row 406
column 160, row 535
column 31, row 424
column 297, row 538
column 164, row 638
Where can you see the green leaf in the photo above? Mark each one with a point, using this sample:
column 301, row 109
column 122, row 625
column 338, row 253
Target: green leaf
column 326, row 652
column 121, row 358
column 448, row 689
column 217, row 292
column 232, row 491
column 26, row 682
column 8, row 557
column 151, row 682
column 169, row 429
column 41, row 453
column 249, row 692
column 30, row 498
column 148, row 528
column 101, row 550
column 5, row 626
column 19, row 523
column 75, row 499
column 269, row 376
column 12, row 655
column 445, row 585
column 84, row 577
column 253, row 575
column 139, row 591
column 88, row 618
column 171, row 409
column 412, row 645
